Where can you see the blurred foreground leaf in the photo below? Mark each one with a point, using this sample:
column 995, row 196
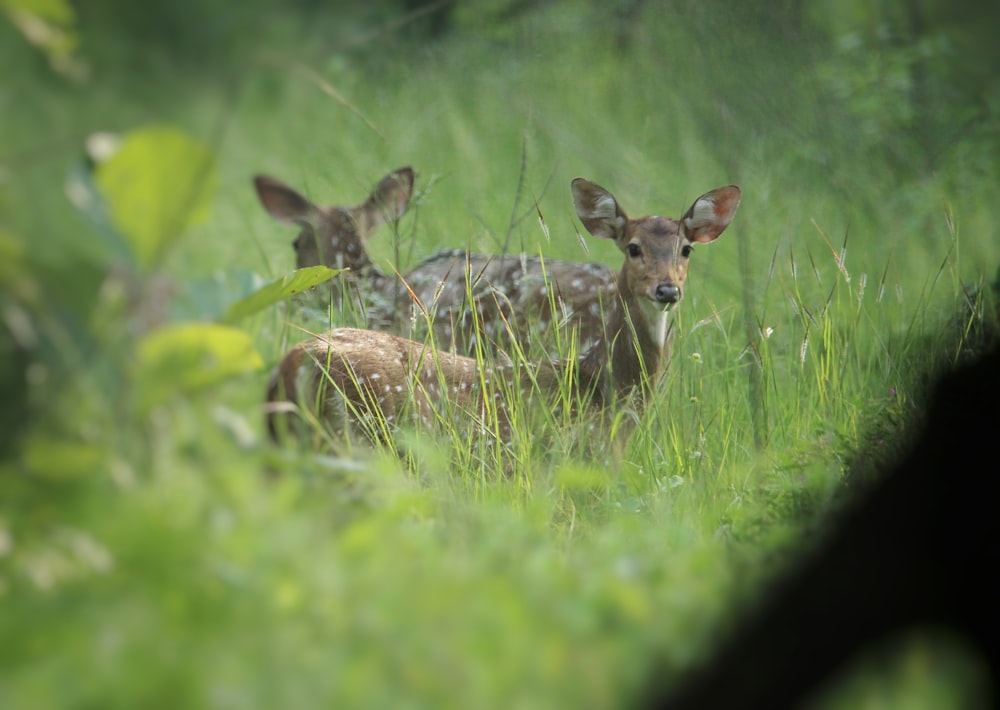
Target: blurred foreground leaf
column 60, row 459
column 50, row 26
column 106, row 240
column 209, row 298
column 280, row 289
column 157, row 184
column 15, row 278
column 188, row 357
column 581, row 477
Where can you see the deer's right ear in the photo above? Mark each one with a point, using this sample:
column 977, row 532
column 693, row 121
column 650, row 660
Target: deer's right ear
column 391, row 196
column 711, row 213
column 598, row 210
column 282, row 202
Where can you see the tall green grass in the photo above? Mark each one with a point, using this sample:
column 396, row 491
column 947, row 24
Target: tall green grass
column 147, row 557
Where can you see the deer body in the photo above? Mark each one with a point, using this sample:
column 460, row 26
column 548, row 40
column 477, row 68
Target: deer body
column 468, row 297
column 356, row 377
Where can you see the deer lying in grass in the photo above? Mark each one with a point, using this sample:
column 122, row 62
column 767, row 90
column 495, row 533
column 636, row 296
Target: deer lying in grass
column 464, row 295
column 368, row 380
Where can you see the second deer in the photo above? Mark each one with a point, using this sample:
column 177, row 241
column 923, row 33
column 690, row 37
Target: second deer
column 368, row 381
column 469, row 298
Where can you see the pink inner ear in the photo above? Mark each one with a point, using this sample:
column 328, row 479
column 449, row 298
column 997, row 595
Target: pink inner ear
column 598, row 210
column 711, row 214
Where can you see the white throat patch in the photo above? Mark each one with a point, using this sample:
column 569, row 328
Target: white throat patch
column 656, row 320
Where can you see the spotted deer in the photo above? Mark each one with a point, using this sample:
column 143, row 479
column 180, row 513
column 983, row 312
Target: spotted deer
column 337, row 236
column 468, row 298
column 367, row 380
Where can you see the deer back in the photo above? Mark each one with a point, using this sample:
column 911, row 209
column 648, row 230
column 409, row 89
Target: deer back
column 369, row 378
column 475, row 299
column 469, row 299
column 364, row 381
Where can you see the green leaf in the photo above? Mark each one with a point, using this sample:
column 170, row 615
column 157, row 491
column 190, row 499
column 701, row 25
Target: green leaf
column 106, row 241
column 572, row 477
column 58, row 459
column 50, row 26
column 58, row 11
column 158, row 183
column 188, row 357
column 209, row 297
column 280, row 289
column 12, row 261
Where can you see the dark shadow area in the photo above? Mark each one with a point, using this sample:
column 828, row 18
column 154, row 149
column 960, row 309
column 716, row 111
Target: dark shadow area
column 917, row 550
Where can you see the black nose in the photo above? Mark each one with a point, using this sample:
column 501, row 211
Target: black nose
column 667, row 293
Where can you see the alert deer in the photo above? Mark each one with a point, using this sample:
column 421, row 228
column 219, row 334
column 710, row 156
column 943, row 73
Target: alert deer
column 337, row 236
column 469, row 298
column 367, row 380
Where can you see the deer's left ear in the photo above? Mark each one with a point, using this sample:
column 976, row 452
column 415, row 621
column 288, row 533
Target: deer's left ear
column 598, row 210
column 284, row 203
column 711, row 213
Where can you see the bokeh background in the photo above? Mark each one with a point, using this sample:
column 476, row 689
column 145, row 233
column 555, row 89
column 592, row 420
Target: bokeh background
column 148, row 558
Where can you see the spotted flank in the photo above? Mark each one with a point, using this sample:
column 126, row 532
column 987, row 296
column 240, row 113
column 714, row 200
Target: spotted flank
column 369, row 381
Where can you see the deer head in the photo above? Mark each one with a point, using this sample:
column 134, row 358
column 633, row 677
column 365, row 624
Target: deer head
column 336, row 236
column 657, row 250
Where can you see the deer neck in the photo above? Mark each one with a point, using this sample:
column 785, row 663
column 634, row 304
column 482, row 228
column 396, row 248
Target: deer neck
column 631, row 356
column 352, row 252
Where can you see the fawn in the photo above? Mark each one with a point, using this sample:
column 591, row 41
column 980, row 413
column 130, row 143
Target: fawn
column 366, row 380
column 464, row 295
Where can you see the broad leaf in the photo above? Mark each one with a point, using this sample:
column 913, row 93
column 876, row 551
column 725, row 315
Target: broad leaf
column 187, row 357
column 157, row 184
column 106, row 241
column 209, row 297
column 50, row 26
column 280, row 289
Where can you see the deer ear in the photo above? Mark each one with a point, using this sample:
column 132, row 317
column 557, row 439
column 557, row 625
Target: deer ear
column 390, row 198
column 282, row 202
column 711, row 213
column 598, row 210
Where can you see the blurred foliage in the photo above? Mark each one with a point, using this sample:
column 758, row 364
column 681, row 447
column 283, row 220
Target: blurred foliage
column 50, row 25
column 282, row 289
column 146, row 558
column 158, row 183
column 919, row 80
column 181, row 359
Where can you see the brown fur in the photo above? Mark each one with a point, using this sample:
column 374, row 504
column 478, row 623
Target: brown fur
column 369, row 378
column 511, row 295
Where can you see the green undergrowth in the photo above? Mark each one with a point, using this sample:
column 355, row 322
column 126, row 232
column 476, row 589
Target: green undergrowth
column 156, row 549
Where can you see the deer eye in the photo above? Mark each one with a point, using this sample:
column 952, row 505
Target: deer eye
column 686, row 250
column 634, row 250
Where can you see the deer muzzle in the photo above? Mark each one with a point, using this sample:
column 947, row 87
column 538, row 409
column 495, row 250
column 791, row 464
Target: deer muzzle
column 668, row 294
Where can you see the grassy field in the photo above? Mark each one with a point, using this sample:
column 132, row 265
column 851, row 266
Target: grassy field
column 146, row 556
